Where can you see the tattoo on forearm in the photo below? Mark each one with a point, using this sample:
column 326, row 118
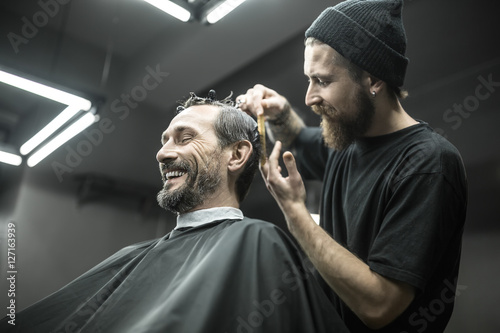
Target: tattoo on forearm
column 285, row 127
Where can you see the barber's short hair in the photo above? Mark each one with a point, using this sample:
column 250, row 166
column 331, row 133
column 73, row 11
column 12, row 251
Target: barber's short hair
column 232, row 125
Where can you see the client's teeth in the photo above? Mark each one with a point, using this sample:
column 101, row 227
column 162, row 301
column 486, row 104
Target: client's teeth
column 171, row 174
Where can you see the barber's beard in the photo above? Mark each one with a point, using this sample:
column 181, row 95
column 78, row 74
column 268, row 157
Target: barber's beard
column 341, row 129
column 201, row 182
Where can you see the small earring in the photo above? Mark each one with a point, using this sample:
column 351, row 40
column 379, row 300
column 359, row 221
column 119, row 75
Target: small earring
column 374, row 94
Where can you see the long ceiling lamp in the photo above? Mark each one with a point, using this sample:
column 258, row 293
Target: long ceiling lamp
column 49, row 129
column 74, row 104
column 207, row 11
column 9, row 158
column 44, row 91
column 78, row 126
column 222, row 10
column 172, row 9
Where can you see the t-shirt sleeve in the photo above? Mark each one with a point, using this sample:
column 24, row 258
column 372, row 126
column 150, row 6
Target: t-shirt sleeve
column 311, row 153
column 422, row 219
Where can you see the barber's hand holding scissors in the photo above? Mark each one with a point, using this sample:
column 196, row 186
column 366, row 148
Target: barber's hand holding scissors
column 262, row 100
column 289, row 192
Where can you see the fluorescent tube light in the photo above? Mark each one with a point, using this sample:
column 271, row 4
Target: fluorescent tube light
column 222, row 10
column 171, row 8
column 10, row 158
column 49, row 129
column 78, row 126
column 45, row 91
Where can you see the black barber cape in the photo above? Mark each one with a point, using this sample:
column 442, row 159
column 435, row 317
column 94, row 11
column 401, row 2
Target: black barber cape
column 227, row 276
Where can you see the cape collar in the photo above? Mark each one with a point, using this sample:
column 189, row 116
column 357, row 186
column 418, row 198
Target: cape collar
column 204, row 216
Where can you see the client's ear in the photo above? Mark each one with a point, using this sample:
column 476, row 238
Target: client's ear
column 241, row 152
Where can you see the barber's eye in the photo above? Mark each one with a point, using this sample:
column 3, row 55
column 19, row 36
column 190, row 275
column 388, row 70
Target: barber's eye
column 322, row 83
column 318, row 81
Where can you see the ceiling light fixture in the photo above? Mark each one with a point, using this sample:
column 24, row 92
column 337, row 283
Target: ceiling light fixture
column 205, row 11
column 49, row 129
column 78, row 126
column 45, row 91
column 73, row 103
column 222, row 10
column 172, row 9
column 10, row 158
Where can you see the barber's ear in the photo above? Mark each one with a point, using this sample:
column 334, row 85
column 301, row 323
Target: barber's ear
column 376, row 84
column 241, row 152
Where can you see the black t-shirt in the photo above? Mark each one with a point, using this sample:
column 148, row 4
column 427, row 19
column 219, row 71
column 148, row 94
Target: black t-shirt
column 398, row 202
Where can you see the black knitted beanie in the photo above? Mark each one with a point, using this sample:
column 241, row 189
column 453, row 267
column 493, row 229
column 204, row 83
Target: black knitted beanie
column 369, row 33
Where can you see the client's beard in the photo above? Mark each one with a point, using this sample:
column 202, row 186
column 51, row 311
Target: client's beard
column 199, row 184
column 340, row 130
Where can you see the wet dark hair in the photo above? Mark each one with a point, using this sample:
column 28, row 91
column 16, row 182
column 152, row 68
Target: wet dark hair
column 232, row 125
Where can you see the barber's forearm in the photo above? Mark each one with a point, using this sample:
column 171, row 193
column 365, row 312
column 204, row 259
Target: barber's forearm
column 374, row 299
column 285, row 127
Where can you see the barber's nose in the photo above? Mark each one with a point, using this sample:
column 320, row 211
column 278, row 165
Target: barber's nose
column 312, row 97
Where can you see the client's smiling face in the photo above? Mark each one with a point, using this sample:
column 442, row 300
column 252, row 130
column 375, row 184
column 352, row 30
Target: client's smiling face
column 189, row 163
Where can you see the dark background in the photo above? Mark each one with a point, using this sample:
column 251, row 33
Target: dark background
column 67, row 224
